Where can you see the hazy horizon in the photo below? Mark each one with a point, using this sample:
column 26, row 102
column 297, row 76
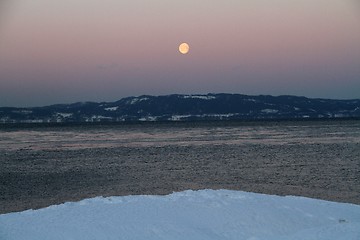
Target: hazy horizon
column 68, row 51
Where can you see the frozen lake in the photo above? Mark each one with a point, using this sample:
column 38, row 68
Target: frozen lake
column 179, row 134
column 44, row 165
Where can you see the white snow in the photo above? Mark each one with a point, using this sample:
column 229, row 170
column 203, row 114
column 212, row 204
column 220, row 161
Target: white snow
column 111, row 108
column 205, row 214
column 182, row 117
column 178, row 117
column 95, row 118
column 64, row 115
column 268, row 110
column 204, row 97
column 136, row 100
column 148, row 118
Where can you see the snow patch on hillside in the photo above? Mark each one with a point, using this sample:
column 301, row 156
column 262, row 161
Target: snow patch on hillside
column 268, row 110
column 97, row 118
column 64, row 115
column 111, row 109
column 203, row 97
column 136, row 100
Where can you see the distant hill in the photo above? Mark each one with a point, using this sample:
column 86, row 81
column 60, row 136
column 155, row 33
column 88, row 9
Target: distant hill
column 187, row 108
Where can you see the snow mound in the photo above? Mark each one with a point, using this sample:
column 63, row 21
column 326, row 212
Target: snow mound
column 205, row 214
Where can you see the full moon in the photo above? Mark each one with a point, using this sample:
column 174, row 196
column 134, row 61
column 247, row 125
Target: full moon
column 184, row 48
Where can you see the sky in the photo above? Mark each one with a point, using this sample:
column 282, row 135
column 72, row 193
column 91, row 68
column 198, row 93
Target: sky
column 103, row 50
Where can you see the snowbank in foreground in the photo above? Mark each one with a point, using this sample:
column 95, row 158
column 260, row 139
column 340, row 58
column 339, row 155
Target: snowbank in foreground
column 205, row 214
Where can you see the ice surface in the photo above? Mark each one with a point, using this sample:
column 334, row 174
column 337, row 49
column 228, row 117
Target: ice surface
column 205, row 214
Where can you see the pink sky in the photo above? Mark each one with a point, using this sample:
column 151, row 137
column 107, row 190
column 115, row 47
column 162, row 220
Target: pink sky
column 89, row 50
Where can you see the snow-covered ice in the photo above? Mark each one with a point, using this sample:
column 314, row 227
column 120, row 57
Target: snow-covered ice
column 205, row 214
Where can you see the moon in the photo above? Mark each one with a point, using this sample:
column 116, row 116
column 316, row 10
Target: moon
column 184, row 48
